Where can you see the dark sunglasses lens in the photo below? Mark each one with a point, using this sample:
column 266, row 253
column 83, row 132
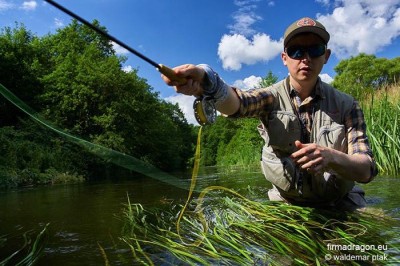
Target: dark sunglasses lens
column 316, row 50
column 297, row 52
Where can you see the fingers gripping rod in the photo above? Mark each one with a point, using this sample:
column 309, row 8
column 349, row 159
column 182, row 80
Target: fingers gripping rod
column 161, row 68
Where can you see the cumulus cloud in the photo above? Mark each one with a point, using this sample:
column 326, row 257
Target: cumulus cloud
column 235, row 50
column 248, row 83
column 186, row 104
column 244, row 45
column 361, row 26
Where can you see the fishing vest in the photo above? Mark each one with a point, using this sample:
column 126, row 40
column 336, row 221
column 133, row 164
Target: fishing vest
column 281, row 127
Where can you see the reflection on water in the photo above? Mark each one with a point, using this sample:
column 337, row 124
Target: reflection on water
column 83, row 216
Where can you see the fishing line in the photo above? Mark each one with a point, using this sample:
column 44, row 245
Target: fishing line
column 124, row 160
column 107, row 154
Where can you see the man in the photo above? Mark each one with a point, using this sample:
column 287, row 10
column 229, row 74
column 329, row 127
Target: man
column 316, row 146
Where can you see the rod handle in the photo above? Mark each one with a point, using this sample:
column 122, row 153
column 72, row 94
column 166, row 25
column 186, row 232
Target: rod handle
column 166, row 71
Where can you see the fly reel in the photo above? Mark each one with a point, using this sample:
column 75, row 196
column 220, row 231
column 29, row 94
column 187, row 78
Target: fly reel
column 204, row 111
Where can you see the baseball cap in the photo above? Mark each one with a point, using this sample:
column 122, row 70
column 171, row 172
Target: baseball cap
column 305, row 25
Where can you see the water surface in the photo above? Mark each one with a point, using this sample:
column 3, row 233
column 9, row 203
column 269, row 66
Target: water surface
column 83, row 216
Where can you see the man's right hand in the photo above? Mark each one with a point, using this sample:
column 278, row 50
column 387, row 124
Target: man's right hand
column 194, row 80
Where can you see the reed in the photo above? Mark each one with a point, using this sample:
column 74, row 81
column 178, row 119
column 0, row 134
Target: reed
column 383, row 120
column 224, row 228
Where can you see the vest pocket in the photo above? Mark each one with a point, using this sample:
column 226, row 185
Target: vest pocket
column 279, row 172
column 333, row 136
column 283, row 130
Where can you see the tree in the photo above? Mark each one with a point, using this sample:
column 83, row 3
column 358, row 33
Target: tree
column 74, row 78
column 361, row 75
column 20, row 60
column 268, row 80
column 88, row 93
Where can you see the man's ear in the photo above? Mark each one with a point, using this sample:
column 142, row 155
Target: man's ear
column 327, row 55
column 284, row 58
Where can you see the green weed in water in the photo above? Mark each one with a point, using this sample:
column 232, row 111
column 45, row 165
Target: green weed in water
column 29, row 252
column 240, row 231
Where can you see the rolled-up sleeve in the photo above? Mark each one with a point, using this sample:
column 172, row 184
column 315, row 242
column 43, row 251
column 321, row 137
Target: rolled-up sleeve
column 255, row 102
column 357, row 136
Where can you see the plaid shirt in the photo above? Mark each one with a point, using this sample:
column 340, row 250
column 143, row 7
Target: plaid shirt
column 258, row 102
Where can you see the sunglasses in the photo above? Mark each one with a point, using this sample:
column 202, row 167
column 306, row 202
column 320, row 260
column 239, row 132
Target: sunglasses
column 298, row 51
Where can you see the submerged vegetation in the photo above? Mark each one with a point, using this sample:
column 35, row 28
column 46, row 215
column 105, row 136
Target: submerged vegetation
column 228, row 229
column 27, row 253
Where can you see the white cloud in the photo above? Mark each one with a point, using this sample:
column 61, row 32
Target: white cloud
column 244, row 45
column 6, row 5
column 243, row 23
column 127, row 69
column 119, row 49
column 326, row 78
column 323, row 2
column 29, row 5
column 186, row 104
column 248, row 83
column 362, row 26
column 235, row 50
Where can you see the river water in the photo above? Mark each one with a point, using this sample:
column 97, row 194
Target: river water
column 83, row 216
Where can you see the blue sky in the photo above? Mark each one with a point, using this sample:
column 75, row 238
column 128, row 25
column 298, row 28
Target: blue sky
column 240, row 39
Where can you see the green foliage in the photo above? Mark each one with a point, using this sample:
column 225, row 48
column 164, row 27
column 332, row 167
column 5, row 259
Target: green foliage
column 364, row 74
column 268, row 80
column 29, row 157
column 230, row 142
column 215, row 137
column 245, row 146
column 20, row 58
column 74, row 79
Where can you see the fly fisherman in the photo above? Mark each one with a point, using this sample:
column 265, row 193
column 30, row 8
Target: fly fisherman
column 316, row 146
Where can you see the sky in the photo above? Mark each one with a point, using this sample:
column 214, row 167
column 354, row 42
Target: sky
column 239, row 39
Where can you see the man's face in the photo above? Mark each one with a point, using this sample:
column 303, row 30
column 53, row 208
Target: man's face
column 309, row 57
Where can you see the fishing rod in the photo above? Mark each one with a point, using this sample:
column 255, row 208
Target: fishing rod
column 204, row 110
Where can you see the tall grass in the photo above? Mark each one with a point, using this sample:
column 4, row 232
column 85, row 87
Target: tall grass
column 383, row 120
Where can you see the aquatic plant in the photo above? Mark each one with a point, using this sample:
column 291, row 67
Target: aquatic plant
column 225, row 228
column 29, row 252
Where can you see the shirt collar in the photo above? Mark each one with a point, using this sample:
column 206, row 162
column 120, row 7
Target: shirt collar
column 315, row 94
